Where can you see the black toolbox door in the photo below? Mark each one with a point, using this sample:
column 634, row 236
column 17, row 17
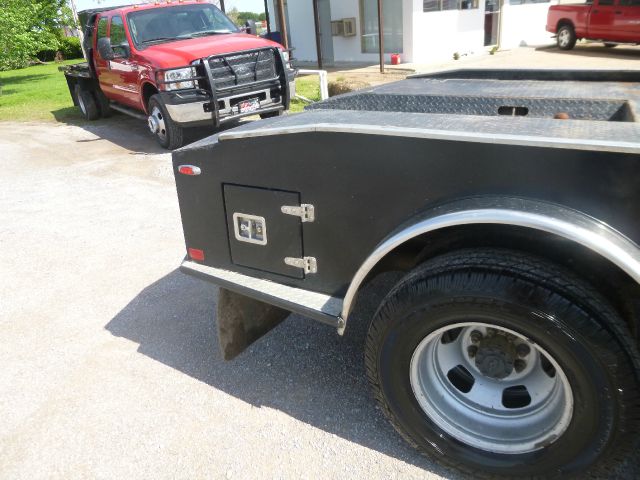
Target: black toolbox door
column 260, row 235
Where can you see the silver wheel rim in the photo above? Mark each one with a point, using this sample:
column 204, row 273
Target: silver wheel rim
column 156, row 123
column 83, row 107
column 563, row 37
column 466, row 388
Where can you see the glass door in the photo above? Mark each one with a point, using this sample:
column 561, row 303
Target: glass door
column 491, row 22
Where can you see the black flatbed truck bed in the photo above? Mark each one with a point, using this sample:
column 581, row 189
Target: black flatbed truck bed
column 465, row 179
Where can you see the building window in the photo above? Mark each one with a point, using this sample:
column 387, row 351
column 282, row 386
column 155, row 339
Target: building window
column 439, row 5
column 392, row 14
column 523, row 2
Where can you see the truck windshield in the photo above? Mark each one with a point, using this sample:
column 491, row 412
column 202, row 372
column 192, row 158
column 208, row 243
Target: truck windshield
column 177, row 23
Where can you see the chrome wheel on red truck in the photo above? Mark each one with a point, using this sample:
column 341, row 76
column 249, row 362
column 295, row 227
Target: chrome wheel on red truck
column 500, row 364
column 168, row 133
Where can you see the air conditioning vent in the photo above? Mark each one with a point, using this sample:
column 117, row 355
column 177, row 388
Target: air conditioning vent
column 343, row 28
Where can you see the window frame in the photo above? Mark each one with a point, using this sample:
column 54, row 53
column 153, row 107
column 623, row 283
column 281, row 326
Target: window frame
column 125, row 40
column 475, row 5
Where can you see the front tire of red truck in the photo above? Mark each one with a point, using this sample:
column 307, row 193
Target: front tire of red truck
column 501, row 364
column 168, row 133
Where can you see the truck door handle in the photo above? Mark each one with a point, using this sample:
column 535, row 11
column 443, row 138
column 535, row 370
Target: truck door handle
column 618, row 13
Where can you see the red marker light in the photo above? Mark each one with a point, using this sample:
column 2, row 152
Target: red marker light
column 196, row 254
column 189, row 170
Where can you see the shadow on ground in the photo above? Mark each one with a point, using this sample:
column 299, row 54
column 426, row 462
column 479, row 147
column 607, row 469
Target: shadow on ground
column 127, row 132
column 621, row 52
column 302, row 368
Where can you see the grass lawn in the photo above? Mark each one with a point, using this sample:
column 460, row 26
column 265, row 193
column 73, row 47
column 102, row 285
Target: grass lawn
column 40, row 93
column 309, row 87
column 36, row 93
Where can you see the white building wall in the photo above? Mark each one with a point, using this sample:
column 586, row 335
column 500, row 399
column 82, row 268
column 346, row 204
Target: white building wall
column 524, row 25
column 428, row 36
column 302, row 29
column 438, row 35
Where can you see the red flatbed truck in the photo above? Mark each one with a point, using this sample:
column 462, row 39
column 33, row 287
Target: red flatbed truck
column 177, row 65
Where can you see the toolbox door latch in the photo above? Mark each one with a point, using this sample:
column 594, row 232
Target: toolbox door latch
column 305, row 211
column 308, row 264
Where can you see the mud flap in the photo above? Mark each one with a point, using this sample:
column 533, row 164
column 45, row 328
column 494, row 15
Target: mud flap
column 243, row 320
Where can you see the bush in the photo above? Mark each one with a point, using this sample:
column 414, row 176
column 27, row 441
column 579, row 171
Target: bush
column 47, row 55
column 70, row 48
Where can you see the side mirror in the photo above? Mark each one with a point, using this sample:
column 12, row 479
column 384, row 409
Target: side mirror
column 250, row 27
column 121, row 51
column 105, row 50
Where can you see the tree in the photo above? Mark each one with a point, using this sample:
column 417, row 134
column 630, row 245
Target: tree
column 27, row 27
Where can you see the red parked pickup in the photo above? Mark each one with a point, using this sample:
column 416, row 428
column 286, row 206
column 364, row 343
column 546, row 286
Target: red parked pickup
column 609, row 21
column 177, row 65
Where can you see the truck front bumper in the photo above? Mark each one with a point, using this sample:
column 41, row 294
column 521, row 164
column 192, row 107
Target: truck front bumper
column 194, row 106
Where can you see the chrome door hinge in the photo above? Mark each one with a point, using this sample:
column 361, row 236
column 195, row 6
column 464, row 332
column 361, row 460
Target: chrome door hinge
column 308, row 264
column 305, row 211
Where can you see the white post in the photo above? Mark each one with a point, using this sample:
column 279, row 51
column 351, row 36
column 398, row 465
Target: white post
column 324, row 81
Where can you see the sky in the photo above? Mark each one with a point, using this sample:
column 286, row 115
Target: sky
column 242, row 5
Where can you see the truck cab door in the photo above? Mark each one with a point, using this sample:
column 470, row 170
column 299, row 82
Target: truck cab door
column 602, row 21
column 123, row 72
column 628, row 20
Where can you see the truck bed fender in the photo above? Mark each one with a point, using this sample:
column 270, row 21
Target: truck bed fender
column 551, row 218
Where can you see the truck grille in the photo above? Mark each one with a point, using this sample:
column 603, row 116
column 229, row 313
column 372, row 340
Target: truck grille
column 243, row 68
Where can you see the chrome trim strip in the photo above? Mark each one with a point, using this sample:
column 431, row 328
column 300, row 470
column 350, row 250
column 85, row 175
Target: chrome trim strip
column 319, row 302
column 604, row 241
column 462, row 136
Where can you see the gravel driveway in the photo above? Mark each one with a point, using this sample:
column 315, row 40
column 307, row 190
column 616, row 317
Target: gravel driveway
column 109, row 358
column 110, row 367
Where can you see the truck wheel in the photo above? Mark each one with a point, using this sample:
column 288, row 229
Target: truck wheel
column 501, row 364
column 168, row 133
column 87, row 103
column 566, row 37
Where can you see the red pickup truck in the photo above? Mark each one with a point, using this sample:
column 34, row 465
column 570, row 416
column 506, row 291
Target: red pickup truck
column 609, row 21
column 177, row 65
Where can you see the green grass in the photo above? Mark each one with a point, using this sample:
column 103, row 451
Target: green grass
column 309, row 87
column 40, row 93
column 36, row 93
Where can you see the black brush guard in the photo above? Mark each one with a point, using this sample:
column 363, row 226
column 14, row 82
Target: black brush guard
column 207, row 81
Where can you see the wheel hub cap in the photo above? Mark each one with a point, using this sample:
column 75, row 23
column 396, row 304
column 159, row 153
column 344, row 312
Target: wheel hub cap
column 157, row 123
column 491, row 388
column 495, row 357
column 153, row 124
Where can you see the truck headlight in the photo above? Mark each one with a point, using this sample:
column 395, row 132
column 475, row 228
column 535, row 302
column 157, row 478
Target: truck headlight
column 180, row 74
column 287, row 59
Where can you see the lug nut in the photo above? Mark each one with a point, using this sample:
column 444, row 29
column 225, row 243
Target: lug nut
column 472, row 350
column 519, row 365
column 476, row 336
column 523, row 350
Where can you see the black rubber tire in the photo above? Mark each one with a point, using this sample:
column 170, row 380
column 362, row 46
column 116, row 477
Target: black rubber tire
column 559, row 311
column 103, row 104
column 272, row 114
column 174, row 136
column 572, row 37
column 87, row 104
